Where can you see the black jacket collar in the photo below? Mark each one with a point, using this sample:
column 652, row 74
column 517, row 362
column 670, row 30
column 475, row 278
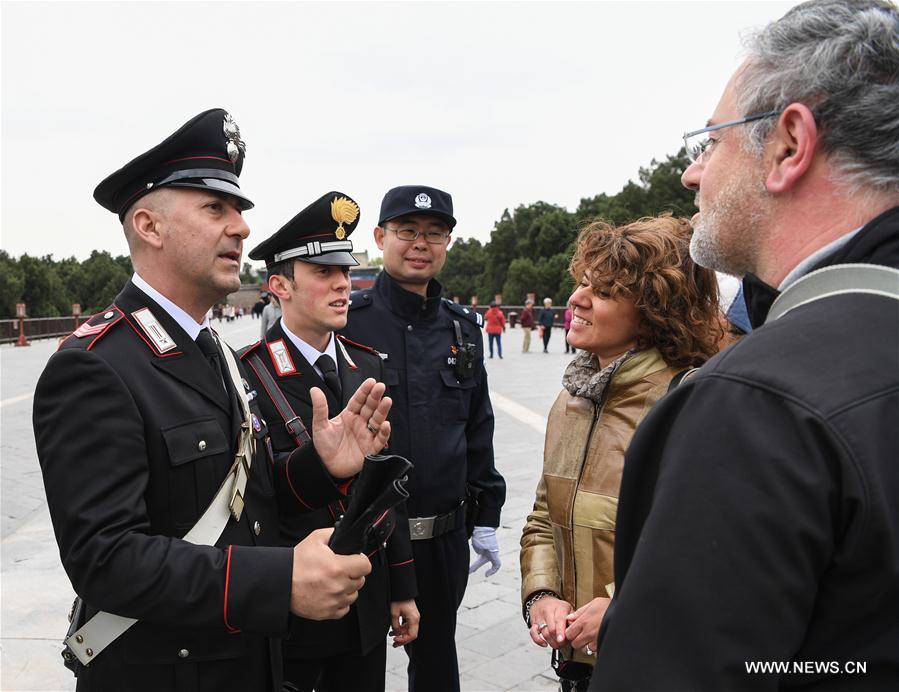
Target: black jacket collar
column 186, row 362
column 410, row 306
column 876, row 243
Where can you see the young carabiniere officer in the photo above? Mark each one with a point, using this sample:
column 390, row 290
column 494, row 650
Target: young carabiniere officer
column 308, row 264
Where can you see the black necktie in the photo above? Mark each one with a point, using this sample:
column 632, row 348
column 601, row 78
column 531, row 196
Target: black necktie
column 329, row 374
column 213, row 355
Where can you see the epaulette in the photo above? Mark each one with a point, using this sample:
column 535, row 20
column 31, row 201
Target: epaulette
column 362, row 347
column 247, row 350
column 90, row 332
column 360, row 299
column 469, row 314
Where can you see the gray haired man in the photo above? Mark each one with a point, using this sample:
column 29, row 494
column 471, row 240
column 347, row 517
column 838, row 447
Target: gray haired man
column 757, row 541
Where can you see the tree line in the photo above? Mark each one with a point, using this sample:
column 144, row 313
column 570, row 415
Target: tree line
column 528, row 251
column 49, row 287
column 530, row 247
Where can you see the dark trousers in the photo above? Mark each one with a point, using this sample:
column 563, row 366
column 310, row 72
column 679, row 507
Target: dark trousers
column 441, row 569
column 569, row 347
column 348, row 672
column 498, row 338
column 547, row 332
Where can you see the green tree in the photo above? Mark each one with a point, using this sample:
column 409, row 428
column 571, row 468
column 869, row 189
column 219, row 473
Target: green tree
column 521, row 279
column 659, row 190
column 554, row 279
column 498, row 255
column 44, row 293
column 664, row 191
column 102, row 277
column 530, row 248
column 12, row 285
column 464, row 264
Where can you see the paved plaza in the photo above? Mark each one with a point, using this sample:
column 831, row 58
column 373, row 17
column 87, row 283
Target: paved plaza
column 495, row 652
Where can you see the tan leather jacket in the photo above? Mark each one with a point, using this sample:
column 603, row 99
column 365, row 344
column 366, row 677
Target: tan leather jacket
column 567, row 542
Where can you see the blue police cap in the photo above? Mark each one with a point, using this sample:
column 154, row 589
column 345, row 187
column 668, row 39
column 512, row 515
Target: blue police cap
column 206, row 153
column 417, row 199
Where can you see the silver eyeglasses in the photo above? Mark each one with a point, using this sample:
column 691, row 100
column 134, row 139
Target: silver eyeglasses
column 432, row 237
column 697, row 142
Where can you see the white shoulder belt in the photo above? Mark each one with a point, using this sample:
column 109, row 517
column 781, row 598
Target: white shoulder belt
column 104, row 628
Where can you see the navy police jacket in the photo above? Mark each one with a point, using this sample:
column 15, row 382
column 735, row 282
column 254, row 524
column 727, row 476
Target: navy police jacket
column 304, row 506
column 441, row 422
column 134, row 437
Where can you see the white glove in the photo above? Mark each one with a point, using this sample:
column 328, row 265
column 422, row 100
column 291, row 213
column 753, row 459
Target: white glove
column 484, row 543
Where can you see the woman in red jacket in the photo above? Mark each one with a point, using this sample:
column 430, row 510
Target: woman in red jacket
column 496, row 325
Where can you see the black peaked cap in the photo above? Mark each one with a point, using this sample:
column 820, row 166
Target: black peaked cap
column 417, row 199
column 206, row 153
column 319, row 234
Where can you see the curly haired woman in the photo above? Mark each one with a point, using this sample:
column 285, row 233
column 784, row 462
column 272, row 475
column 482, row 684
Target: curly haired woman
column 643, row 311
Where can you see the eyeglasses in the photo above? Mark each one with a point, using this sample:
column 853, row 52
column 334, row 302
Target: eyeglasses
column 697, row 143
column 432, row 237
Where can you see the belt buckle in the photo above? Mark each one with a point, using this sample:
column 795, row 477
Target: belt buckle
column 421, row 528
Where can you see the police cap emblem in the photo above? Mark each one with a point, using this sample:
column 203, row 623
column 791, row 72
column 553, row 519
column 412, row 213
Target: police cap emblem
column 422, row 201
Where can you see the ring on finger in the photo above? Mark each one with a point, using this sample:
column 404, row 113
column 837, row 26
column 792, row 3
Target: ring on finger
column 372, row 429
column 541, row 626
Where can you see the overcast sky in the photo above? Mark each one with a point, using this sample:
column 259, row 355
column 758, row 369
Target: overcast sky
column 499, row 103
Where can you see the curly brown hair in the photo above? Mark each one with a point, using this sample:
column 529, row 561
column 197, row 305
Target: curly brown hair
column 649, row 261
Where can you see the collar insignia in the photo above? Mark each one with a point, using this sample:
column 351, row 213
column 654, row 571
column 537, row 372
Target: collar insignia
column 154, row 331
column 281, row 358
column 343, row 211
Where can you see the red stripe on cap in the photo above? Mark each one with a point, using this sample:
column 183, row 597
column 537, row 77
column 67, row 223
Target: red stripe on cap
column 201, row 158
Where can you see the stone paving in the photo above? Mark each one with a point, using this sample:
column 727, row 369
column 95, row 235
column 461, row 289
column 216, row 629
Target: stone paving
column 495, row 652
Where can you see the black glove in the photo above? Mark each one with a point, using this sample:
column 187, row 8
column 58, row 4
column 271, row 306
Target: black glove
column 368, row 521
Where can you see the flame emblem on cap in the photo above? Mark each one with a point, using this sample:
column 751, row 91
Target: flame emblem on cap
column 236, row 146
column 343, row 211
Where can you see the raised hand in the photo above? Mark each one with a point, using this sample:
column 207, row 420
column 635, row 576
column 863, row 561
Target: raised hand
column 360, row 429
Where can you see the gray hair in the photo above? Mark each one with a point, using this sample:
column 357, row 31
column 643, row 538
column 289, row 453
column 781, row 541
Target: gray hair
column 841, row 59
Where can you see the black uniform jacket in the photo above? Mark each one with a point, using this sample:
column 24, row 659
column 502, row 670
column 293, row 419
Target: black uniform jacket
column 441, row 422
column 133, row 445
column 306, row 505
column 759, row 512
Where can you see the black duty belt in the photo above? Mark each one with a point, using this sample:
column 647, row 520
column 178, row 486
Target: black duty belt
column 422, row 528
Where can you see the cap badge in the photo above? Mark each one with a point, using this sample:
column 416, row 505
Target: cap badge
column 343, row 211
column 236, row 146
column 423, row 201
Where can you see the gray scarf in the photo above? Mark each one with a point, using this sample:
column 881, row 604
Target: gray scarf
column 584, row 378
